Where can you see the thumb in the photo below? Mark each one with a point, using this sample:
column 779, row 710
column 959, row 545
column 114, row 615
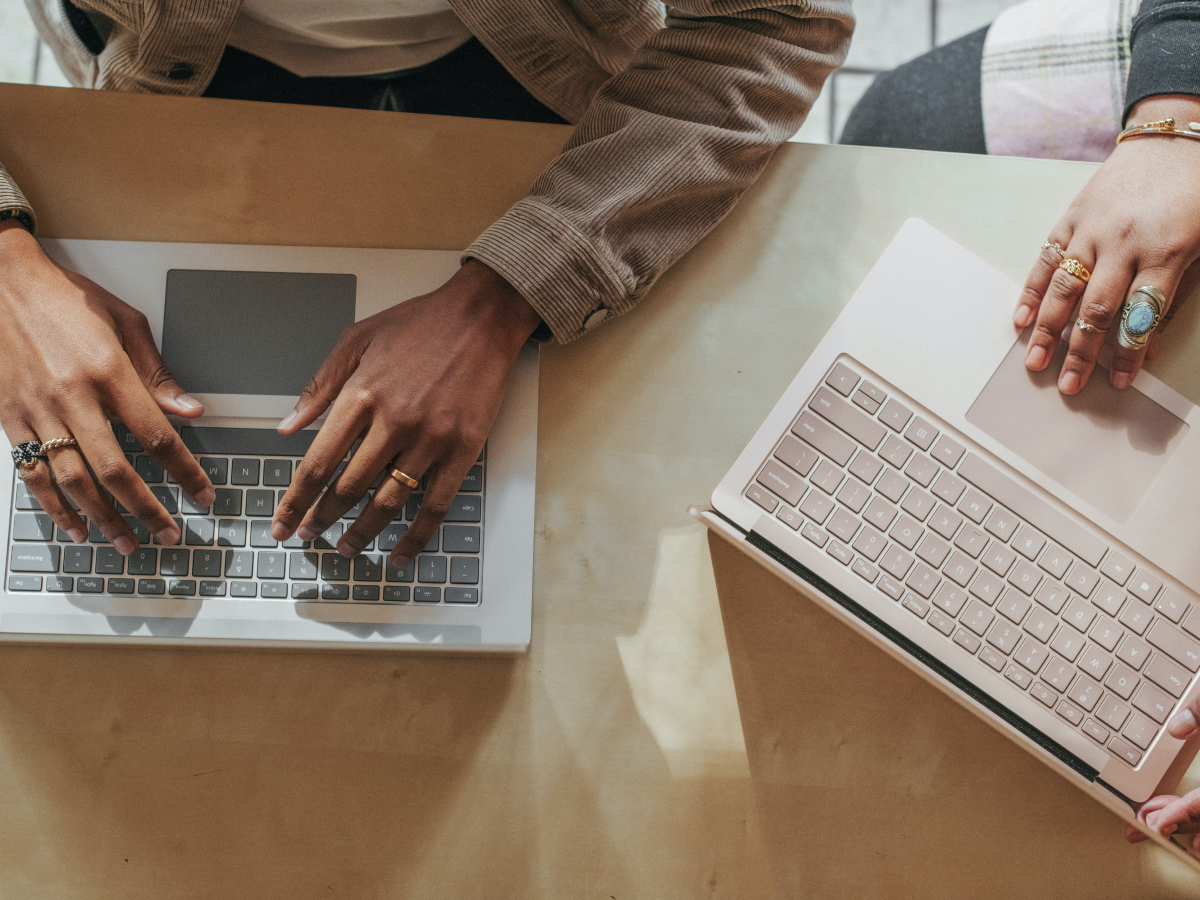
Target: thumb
column 148, row 363
column 1181, row 815
column 1185, row 723
column 327, row 383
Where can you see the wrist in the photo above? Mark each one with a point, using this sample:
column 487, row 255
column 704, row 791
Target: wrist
column 501, row 303
column 1183, row 108
column 16, row 241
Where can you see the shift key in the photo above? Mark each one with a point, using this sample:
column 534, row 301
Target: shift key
column 862, row 428
column 824, row 438
column 34, row 558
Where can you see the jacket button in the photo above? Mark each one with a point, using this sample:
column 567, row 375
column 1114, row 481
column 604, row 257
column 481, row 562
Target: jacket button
column 595, row 318
column 180, row 72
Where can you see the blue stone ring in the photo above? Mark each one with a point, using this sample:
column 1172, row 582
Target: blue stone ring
column 1140, row 316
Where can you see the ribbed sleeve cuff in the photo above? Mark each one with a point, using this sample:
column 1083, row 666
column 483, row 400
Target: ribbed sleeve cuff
column 554, row 266
column 11, row 196
column 1164, row 51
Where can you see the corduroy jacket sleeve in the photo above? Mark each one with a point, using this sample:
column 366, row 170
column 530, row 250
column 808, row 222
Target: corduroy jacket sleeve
column 663, row 153
column 10, row 195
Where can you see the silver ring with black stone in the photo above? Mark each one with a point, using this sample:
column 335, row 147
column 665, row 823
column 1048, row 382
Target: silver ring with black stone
column 1140, row 316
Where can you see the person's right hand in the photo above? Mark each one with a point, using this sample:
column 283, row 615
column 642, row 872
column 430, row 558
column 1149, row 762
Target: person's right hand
column 76, row 357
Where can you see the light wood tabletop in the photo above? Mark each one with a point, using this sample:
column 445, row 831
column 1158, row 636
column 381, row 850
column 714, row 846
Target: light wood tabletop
column 646, row 746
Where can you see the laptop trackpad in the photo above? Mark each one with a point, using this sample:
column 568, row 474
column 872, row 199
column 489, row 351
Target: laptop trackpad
column 1106, row 446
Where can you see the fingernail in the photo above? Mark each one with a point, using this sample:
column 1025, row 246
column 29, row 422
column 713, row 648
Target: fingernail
column 1182, row 725
column 1152, row 821
column 306, row 533
column 401, row 561
column 1068, row 383
column 167, row 536
column 347, row 549
column 188, row 402
column 1023, row 316
column 280, row 532
column 124, row 545
column 1036, row 358
column 207, row 497
column 78, row 535
column 1121, row 380
column 289, row 419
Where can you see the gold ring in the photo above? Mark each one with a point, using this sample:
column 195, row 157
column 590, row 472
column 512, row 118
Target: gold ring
column 1076, row 268
column 1056, row 247
column 404, row 479
column 59, row 443
column 1089, row 327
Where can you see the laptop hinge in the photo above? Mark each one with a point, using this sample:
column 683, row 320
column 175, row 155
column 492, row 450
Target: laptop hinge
column 928, row 660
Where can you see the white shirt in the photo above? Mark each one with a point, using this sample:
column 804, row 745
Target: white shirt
column 347, row 37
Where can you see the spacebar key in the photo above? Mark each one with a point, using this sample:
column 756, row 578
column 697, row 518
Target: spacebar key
column 1033, row 509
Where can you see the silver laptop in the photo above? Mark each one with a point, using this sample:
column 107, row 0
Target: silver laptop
column 243, row 328
column 1031, row 554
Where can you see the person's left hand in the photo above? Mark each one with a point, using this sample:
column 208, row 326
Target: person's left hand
column 1137, row 222
column 420, row 385
column 1168, row 815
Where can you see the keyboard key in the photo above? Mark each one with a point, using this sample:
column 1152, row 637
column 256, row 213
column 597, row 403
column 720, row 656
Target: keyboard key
column 120, row 586
column 1028, row 542
column 1094, row 662
column 1182, row 649
column 1041, row 625
column 921, row 433
column 875, row 393
column 335, row 567
column 23, row 499
column 890, row 587
column 1109, row 598
column 108, row 562
column 862, row 428
column 1069, row 712
column 126, row 438
column 77, row 560
column 244, row 472
column 853, row 496
column 1043, row 694
column 335, row 591
column 228, row 502
column 1106, row 633
column 231, row 533
column 153, row 587
column 895, row 415
column 815, row 535
column 260, row 502
column 181, row 587
column 880, row 513
column 865, row 467
column 425, row 594
column 761, row 497
column 933, row 550
column 465, row 508
column 1096, row 732
column 842, row 379
column 1013, row 606
column 1056, row 561
column 368, row 567
column 200, row 532
column 1067, row 642
column 949, row 599
column 948, row 451
column 1018, row 676
column 1117, row 567
column 1001, row 523
column 366, row 592
column 864, row 400
column 328, row 539
column 35, row 558
column 142, row 540
column 275, row 591
column 32, row 527
column 1167, row 675
column 55, row 584
column 859, row 567
column 817, row 507
column 923, row 580
column 277, row 472
column 1125, row 751
column 168, row 497
column 462, row 595
column 1025, row 578
column 824, row 438
column 949, row 487
column 782, row 481
column 827, row 477
column 1058, row 674
column 212, row 589
column 260, row 535
column 143, row 561
column 1144, row 585
column 892, row 485
column 895, row 451
column 1004, row 636
column 1172, row 605
column 392, row 574
column 1079, row 614
column 906, row 532
column 174, row 562
column 1135, row 617
column 918, row 503
column 1082, row 580
column 987, row 587
column 216, row 469
column 1085, row 692
column 991, row 658
column 148, row 470
column 843, row 525
column 190, row 507
column 915, row 605
column 945, row 522
column 967, row 641
column 465, row 570
column 975, row 506
column 1122, row 681
column 304, row 591
column 207, row 564
column 1112, row 712
column 24, row 582
column 840, row 553
column 1140, row 731
column 959, row 569
column 239, row 563
column 795, row 455
column 977, row 617
column 303, row 566
column 942, row 623
column 971, row 541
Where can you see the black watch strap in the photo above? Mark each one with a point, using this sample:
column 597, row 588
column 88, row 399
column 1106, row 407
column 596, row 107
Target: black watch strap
column 20, row 215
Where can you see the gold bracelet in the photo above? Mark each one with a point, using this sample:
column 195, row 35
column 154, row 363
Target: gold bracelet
column 1163, row 128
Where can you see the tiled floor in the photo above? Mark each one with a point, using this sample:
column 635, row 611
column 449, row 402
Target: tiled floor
column 889, row 32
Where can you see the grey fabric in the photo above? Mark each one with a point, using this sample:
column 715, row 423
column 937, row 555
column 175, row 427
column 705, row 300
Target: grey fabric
column 1165, row 51
column 931, row 103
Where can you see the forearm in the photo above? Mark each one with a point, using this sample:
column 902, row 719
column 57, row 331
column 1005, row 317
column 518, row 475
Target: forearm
column 663, row 153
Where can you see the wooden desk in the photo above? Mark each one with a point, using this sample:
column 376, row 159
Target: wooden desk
column 608, row 762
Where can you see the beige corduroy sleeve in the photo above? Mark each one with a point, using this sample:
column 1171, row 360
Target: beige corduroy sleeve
column 10, row 195
column 663, row 153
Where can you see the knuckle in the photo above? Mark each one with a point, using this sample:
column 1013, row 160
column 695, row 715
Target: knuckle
column 436, row 510
column 36, row 479
column 1064, row 284
column 310, row 475
column 1045, row 332
column 160, row 441
column 363, row 396
column 72, row 478
column 1078, row 359
column 159, row 377
column 114, row 474
column 1097, row 312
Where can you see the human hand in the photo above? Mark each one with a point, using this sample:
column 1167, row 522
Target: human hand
column 75, row 357
column 420, row 385
column 1170, row 814
column 1137, row 222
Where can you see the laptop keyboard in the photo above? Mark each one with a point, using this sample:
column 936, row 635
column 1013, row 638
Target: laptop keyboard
column 227, row 549
column 1044, row 602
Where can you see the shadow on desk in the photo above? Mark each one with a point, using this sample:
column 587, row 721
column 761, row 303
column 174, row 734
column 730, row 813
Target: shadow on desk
column 863, row 774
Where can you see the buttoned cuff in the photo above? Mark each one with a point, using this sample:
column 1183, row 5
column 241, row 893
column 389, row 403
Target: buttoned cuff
column 11, row 196
column 554, row 266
